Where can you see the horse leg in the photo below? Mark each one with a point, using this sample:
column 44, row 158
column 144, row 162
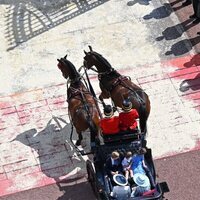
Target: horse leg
column 80, row 138
column 94, row 139
column 143, row 124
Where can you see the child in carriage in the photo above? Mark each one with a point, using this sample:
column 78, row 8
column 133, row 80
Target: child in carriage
column 126, row 163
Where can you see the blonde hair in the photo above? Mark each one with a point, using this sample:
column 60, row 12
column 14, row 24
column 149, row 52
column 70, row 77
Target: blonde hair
column 115, row 155
column 128, row 154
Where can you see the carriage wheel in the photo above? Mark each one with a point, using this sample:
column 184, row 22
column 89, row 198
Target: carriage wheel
column 92, row 178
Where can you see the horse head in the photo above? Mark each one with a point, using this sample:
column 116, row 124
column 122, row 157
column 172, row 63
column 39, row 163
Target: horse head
column 68, row 69
column 93, row 58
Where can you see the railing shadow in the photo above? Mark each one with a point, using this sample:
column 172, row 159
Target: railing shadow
column 28, row 19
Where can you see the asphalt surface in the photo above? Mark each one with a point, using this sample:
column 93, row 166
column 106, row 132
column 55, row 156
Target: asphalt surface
column 180, row 171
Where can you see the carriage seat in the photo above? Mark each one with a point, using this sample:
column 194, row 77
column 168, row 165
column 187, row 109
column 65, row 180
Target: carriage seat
column 121, row 136
column 104, row 151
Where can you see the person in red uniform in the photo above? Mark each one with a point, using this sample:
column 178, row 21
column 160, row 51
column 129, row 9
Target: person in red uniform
column 127, row 118
column 110, row 123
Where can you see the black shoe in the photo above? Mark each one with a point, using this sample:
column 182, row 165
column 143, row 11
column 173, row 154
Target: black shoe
column 186, row 3
column 193, row 16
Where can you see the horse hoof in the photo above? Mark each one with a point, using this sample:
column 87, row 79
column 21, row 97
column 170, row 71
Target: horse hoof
column 78, row 143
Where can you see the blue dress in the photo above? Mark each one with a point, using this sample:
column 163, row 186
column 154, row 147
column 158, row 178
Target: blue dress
column 137, row 165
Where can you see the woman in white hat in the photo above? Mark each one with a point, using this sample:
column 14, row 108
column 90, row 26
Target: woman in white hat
column 143, row 185
column 121, row 191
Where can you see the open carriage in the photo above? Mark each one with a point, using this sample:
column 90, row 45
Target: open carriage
column 100, row 182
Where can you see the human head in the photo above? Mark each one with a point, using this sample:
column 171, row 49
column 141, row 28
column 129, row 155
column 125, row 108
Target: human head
column 126, row 105
column 142, row 151
column 115, row 155
column 141, row 180
column 108, row 111
column 129, row 154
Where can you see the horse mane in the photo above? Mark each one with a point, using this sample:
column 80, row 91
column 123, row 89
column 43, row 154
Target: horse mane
column 73, row 73
column 101, row 59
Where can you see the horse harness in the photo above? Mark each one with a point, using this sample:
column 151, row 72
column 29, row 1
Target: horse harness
column 121, row 81
column 79, row 95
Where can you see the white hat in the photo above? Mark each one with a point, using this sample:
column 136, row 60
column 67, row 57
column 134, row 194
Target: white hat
column 120, row 179
column 141, row 180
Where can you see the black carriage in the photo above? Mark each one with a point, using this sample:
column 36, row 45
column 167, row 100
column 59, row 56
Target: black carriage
column 100, row 182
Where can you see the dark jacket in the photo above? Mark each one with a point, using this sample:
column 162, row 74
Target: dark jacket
column 113, row 168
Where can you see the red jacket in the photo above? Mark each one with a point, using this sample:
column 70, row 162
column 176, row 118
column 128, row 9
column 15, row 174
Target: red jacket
column 110, row 125
column 127, row 120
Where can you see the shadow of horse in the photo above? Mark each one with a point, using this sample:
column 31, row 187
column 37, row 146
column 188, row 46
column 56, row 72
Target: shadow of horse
column 28, row 19
column 190, row 84
column 52, row 150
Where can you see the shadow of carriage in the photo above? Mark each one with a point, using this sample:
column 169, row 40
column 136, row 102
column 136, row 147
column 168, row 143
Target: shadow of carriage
column 53, row 151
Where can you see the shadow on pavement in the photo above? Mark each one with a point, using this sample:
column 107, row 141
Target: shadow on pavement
column 28, row 19
column 53, row 151
column 76, row 191
column 195, row 61
column 141, row 2
column 183, row 46
column 184, row 4
column 176, row 31
column 159, row 13
column 190, row 84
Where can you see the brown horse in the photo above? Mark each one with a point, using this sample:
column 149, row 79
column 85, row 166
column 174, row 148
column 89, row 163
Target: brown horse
column 82, row 107
column 118, row 87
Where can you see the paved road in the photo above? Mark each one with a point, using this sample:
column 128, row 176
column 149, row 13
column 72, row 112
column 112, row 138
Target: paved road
column 157, row 49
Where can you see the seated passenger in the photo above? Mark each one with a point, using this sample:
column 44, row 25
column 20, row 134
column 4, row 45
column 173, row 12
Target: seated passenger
column 109, row 124
column 127, row 118
column 139, row 165
column 126, row 163
column 113, row 165
column 143, row 185
column 121, row 190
